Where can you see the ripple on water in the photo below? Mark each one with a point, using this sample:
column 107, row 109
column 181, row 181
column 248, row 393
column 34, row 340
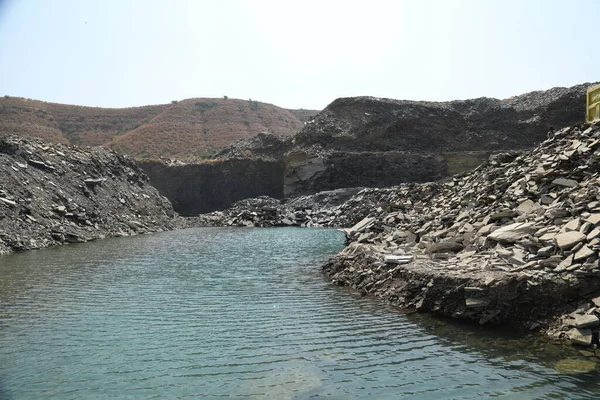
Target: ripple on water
column 242, row 313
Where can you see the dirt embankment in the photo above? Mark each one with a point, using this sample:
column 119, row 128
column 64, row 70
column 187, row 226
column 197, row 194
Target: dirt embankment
column 52, row 194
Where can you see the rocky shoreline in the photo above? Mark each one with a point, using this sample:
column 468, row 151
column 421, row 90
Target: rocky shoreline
column 514, row 242
column 53, row 194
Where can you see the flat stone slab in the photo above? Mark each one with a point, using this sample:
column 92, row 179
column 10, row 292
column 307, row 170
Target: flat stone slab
column 568, row 240
column 513, row 232
column 398, row 259
column 565, row 182
column 587, row 321
column 363, row 224
column 580, row 336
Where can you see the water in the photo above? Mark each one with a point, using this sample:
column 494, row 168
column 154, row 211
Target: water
column 240, row 313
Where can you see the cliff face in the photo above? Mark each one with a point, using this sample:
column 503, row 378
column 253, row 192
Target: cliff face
column 382, row 141
column 52, row 194
column 215, row 185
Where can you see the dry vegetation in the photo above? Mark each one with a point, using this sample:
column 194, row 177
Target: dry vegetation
column 191, row 129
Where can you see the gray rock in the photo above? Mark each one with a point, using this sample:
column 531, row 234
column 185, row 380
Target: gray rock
column 586, row 321
column 392, row 259
column 513, row 232
column 568, row 240
column 580, row 336
column 565, row 182
column 449, row 246
column 583, row 253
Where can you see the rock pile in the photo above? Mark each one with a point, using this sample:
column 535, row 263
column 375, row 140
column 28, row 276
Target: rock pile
column 52, row 194
column 324, row 209
column 516, row 240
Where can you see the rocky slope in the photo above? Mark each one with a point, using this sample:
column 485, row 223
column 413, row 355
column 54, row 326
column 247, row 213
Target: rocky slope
column 391, row 141
column 516, row 241
column 188, row 129
column 52, row 194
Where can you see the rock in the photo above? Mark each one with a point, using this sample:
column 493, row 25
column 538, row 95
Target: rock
column 476, row 303
column 526, row 207
column 391, row 259
column 503, row 214
column 572, row 225
column 55, row 206
column 593, row 219
column 583, row 253
column 568, row 240
column 546, row 199
column 580, row 336
column 513, row 232
column 586, row 321
column 566, row 263
column 449, row 246
column 363, row 224
column 574, row 366
column 7, row 201
column 94, row 181
column 593, row 234
column 565, row 182
column 41, row 165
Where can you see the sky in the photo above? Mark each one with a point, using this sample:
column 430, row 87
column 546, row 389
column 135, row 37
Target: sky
column 294, row 54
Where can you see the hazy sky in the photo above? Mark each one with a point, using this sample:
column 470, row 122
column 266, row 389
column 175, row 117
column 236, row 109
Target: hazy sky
column 295, row 54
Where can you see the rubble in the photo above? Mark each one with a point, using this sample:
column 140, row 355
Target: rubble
column 53, row 194
column 516, row 241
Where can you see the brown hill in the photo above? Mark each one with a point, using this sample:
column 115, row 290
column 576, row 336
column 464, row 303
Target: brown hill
column 189, row 129
column 199, row 128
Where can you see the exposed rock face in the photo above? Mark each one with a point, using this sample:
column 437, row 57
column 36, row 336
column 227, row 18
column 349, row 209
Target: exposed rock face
column 382, row 138
column 215, row 185
column 52, row 194
column 311, row 174
column 265, row 145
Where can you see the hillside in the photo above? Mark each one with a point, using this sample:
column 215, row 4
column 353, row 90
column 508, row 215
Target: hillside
column 368, row 141
column 189, row 129
column 199, row 128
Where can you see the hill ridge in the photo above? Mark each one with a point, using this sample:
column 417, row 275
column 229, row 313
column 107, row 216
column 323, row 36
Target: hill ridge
column 179, row 129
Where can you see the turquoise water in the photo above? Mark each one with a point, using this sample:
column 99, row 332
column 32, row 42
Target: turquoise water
column 240, row 313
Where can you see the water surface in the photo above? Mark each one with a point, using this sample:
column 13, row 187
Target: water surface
column 240, row 313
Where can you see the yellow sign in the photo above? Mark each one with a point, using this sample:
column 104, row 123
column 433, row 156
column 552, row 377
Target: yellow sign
column 593, row 104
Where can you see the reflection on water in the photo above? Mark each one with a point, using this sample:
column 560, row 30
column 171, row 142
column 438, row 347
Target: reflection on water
column 244, row 313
